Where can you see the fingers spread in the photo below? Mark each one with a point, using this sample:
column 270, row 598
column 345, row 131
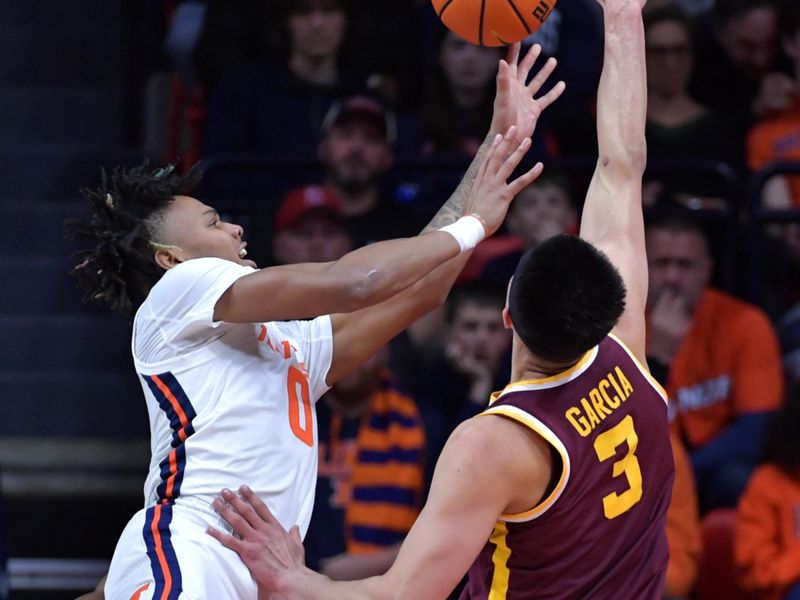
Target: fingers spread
column 260, row 508
column 511, row 162
column 527, row 62
column 226, row 540
column 541, row 76
column 524, row 180
column 552, row 95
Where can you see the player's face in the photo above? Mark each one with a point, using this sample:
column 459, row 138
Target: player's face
column 539, row 212
column 197, row 230
column 479, row 332
column 317, row 30
column 356, row 154
column 465, row 65
column 677, row 260
column 317, row 238
column 669, row 58
column 751, row 41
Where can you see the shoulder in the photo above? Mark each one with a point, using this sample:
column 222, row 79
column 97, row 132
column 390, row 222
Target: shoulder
column 501, row 449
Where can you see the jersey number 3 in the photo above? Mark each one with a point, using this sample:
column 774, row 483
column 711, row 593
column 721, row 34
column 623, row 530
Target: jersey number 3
column 605, row 445
column 300, row 400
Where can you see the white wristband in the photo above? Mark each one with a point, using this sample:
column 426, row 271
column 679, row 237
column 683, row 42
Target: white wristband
column 468, row 231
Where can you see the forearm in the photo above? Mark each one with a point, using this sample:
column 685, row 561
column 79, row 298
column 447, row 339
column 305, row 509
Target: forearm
column 622, row 92
column 349, row 567
column 456, row 205
column 304, row 584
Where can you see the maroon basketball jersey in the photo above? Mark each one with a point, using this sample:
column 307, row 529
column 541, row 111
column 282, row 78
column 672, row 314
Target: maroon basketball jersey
column 600, row 532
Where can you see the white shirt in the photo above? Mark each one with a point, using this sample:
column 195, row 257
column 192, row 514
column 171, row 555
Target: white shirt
column 229, row 403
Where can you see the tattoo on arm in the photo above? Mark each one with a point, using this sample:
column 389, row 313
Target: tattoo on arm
column 453, row 209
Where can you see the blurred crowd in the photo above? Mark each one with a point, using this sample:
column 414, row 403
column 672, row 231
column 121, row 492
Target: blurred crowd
column 325, row 125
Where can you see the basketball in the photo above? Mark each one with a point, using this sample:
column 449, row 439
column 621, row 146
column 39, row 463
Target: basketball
column 493, row 22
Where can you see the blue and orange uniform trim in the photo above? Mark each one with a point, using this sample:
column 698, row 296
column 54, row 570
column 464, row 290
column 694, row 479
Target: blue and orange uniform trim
column 179, row 410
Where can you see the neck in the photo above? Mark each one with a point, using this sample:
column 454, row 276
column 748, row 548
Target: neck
column 468, row 97
column 314, row 69
column 525, row 365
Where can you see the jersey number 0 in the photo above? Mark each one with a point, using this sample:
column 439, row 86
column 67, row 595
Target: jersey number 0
column 300, row 400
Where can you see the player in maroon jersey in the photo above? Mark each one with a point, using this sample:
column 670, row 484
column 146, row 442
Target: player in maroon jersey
column 568, row 472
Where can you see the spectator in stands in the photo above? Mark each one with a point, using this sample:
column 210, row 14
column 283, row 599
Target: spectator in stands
column 777, row 137
column 683, row 528
column 740, row 65
column 717, row 356
column 767, row 541
column 543, row 209
column 276, row 106
column 473, row 363
column 371, row 438
column 458, row 105
column 679, row 127
column 357, row 154
column 309, row 227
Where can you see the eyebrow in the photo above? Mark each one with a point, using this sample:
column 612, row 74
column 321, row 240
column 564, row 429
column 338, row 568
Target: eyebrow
column 211, row 211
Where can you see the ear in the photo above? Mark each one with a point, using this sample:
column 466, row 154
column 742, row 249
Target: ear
column 279, row 250
column 507, row 318
column 166, row 259
column 322, row 152
column 388, row 157
column 791, row 45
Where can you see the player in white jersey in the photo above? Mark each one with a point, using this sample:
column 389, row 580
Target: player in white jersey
column 230, row 373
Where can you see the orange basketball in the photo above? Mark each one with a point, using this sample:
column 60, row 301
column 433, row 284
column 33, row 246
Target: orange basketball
column 493, row 22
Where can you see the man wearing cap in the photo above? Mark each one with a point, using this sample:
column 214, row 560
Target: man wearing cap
column 309, row 227
column 357, row 152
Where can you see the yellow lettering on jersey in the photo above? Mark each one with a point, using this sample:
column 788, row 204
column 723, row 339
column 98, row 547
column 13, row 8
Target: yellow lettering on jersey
column 612, row 402
column 622, row 397
column 578, row 421
column 597, row 402
column 627, row 388
column 593, row 418
column 601, row 403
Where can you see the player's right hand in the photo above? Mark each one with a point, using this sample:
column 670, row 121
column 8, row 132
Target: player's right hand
column 492, row 193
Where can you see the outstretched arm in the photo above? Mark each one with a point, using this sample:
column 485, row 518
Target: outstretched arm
column 612, row 215
column 357, row 335
column 480, row 473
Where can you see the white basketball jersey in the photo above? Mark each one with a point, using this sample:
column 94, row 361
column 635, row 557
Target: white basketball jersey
column 229, row 404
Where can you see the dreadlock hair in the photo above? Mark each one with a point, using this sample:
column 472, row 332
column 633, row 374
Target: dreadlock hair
column 119, row 269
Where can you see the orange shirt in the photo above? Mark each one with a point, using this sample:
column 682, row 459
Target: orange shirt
column 774, row 140
column 683, row 527
column 767, row 542
column 728, row 364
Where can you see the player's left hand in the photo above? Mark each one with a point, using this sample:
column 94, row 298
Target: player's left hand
column 266, row 548
column 514, row 103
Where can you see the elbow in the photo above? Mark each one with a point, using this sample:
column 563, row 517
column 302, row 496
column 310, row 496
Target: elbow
column 363, row 288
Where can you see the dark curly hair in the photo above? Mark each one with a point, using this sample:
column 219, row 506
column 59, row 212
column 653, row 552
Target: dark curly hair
column 119, row 268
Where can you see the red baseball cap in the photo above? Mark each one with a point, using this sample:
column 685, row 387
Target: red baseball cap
column 300, row 202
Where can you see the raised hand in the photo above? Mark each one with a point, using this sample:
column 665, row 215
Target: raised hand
column 514, row 103
column 265, row 547
column 491, row 192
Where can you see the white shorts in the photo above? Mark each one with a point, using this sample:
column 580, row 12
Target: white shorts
column 164, row 553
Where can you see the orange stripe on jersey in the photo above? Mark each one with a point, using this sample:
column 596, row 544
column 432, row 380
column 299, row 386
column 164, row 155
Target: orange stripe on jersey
column 173, row 402
column 162, row 559
column 500, row 558
column 138, row 592
column 173, row 472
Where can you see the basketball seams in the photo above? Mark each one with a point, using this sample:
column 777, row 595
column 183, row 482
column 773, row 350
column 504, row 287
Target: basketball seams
column 444, row 7
column 519, row 16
